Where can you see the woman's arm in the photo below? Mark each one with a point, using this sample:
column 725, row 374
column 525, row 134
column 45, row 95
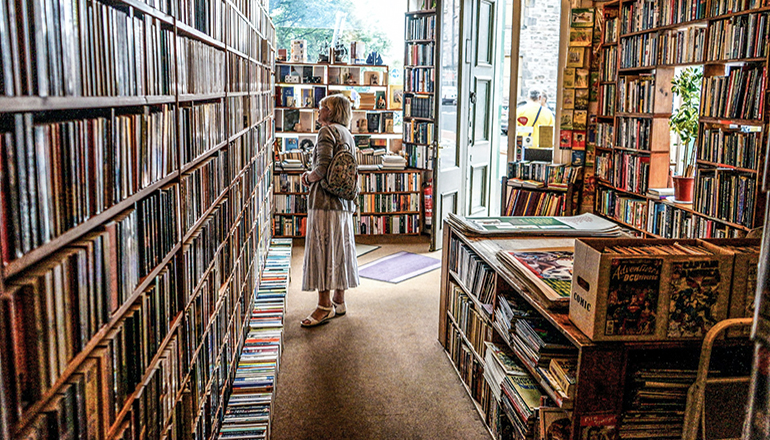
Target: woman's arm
column 324, row 153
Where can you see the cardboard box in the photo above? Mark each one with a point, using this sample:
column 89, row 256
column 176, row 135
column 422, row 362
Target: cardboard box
column 618, row 297
column 744, row 280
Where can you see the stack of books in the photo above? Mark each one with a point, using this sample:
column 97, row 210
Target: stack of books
column 366, row 101
column 660, row 193
column 292, row 164
column 393, row 162
column 658, row 404
column 248, row 410
column 500, row 364
column 521, row 399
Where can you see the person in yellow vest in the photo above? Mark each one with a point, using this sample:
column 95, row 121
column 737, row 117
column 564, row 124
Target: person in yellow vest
column 533, row 114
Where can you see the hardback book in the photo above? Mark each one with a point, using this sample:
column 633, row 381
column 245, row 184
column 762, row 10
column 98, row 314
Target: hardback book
column 565, row 139
column 288, row 96
column 290, row 120
column 308, row 100
column 374, row 122
column 319, row 93
column 387, row 125
column 549, row 270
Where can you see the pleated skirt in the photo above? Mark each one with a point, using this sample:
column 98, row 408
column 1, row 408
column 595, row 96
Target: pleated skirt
column 330, row 251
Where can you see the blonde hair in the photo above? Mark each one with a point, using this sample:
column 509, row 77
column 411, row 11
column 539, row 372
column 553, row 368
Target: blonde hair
column 340, row 110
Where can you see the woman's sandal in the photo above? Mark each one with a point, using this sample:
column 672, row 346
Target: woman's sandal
column 330, row 313
column 340, row 309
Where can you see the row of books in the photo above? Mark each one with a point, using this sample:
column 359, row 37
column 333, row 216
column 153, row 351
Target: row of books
column 419, row 132
column 657, row 404
column 621, row 207
column 728, row 147
column 201, row 129
column 204, row 16
column 682, row 46
column 609, row 68
column 419, row 54
column 744, row 36
column 299, row 97
column 370, row 158
column 393, row 162
column 550, row 174
column 390, row 182
column 634, row 133
column 472, row 271
column 59, row 56
column 419, row 80
column 639, row 15
column 200, row 67
column 467, row 319
column 726, row 195
column 289, row 226
column 385, row 203
column 603, row 166
column 667, row 221
column 249, row 407
column 288, row 183
column 307, row 74
column 373, row 122
column 734, row 95
column 203, row 251
column 610, row 31
column 521, row 202
column 387, row 224
column 469, row 367
column 721, row 7
column 290, row 204
column 639, row 50
column 421, row 27
column 200, row 187
column 157, row 221
column 636, row 94
column 631, row 172
column 607, row 96
column 419, row 156
column 419, row 106
column 34, row 187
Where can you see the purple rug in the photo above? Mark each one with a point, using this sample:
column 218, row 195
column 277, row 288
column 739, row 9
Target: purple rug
column 398, row 267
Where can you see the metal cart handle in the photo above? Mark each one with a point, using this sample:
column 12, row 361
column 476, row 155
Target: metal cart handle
column 697, row 392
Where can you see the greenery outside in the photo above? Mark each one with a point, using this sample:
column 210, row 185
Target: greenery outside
column 684, row 120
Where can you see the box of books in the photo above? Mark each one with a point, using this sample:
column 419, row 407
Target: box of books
column 648, row 289
column 743, row 288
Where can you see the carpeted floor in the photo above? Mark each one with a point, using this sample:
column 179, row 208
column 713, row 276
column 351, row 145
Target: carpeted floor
column 377, row 372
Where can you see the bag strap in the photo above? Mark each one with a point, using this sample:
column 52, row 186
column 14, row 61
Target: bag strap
column 537, row 115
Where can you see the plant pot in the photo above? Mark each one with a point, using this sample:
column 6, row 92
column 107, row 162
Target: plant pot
column 683, row 188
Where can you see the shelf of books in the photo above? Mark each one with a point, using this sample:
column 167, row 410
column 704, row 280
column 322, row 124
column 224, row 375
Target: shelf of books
column 534, row 361
column 534, row 188
column 643, row 49
column 300, row 87
column 136, row 198
column 389, row 203
column 420, row 105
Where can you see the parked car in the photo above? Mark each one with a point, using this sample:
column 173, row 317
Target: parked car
column 449, row 95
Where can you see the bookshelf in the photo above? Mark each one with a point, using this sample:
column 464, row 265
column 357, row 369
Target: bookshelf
column 641, row 50
column 297, row 102
column 534, row 188
column 136, row 200
column 421, row 101
column 475, row 286
column 389, row 203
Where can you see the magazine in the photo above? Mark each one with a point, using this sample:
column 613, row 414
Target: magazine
column 546, row 271
column 584, row 225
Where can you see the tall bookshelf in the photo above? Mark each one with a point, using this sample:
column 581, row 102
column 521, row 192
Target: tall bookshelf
column 421, row 98
column 641, row 48
column 136, row 200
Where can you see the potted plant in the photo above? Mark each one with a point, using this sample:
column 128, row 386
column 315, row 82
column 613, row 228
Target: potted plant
column 684, row 122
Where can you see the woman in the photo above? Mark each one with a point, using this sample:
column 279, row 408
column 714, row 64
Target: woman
column 330, row 249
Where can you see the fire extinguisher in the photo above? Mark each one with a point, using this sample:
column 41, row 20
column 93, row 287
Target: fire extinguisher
column 428, row 202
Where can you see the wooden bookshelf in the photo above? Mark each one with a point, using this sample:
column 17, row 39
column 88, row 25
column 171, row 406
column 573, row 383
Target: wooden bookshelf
column 383, row 196
column 605, row 369
column 134, row 255
column 718, row 183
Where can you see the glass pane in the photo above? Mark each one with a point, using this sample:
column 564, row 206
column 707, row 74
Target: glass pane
column 481, row 121
column 484, row 53
column 450, row 64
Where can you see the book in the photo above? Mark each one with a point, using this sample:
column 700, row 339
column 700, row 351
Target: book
column 380, row 102
column 694, row 296
column 632, row 301
column 548, row 270
column 583, row 225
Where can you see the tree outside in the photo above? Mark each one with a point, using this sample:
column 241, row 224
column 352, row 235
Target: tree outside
column 316, row 21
